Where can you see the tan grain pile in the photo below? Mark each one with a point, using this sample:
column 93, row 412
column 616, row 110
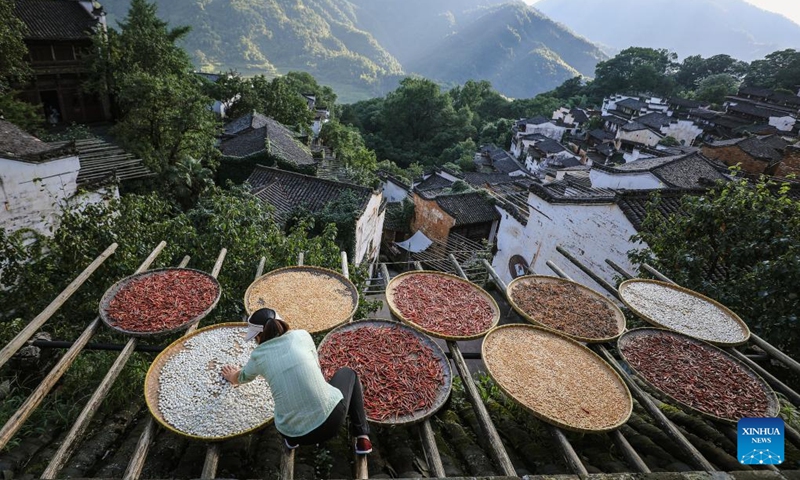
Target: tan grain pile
column 312, row 301
column 556, row 378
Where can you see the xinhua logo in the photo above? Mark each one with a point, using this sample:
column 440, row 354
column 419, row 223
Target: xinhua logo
column 760, row 441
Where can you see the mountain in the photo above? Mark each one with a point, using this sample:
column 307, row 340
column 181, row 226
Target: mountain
column 362, row 47
column 515, row 47
column 687, row 27
column 276, row 36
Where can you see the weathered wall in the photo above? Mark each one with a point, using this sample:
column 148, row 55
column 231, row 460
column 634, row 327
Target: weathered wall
column 733, row 155
column 784, row 124
column 684, row 131
column 434, row 222
column 628, row 181
column 644, row 137
column 32, row 193
column 790, row 164
column 393, row 192
column 592, row 232
column 369, row 228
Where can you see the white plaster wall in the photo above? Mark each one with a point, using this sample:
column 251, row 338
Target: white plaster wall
column 636, row 154
column 32, row 193
column 369, row 228
column 548, row 130
column 685, row 131
column 593, row 233
column 626, row 181
column 784, row 124
column 393, row 192
column 644, row 136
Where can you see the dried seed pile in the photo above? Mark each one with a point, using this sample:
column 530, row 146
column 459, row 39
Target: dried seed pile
column 400, row 374
column 443, row 305
column 556, row 378
column 162, row 301
column 698, row 375
column 682, row 312
column 312, row 301
column 565, row 307
column 193, row 396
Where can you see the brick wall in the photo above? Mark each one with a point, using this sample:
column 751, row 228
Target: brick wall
column 434, row 222
column 733, row 155
column 790, row 164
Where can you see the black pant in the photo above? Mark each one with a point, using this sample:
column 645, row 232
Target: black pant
column 346, row 380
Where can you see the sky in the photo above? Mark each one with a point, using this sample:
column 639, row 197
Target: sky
column 788, row 8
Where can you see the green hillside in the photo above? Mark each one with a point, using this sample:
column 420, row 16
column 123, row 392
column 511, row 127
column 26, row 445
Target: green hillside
column 515, row 47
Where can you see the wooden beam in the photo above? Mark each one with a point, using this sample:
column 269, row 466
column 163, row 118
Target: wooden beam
column 666, row 425
column 571, row 458
column 70, row 442
column 35, row 399
column 211, row 462
column 602, row 282
column 26, row 333
column 287, row 463
column 345, row 267
column 431, row 450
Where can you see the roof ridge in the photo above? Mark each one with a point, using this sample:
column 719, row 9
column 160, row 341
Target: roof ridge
column 312, row 177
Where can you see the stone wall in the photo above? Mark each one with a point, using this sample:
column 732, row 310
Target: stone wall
column 434, row 222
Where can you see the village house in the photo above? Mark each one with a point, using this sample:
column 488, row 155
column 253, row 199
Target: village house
column 58, row 36
column 596, row 224
column 538, row 125
column 761, row 106
column 288, row 191
column 755, row 155
column 687, row 171
column 469, row 214
column 548, row 155
column 257, row 139
column 394, row 189
column 573, row 119
column 493, row 159
column 38, row 179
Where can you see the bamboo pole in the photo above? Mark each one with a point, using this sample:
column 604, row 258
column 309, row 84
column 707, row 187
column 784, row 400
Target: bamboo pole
column 69, row 443
column 26, row 333
column 570, row 457
column 786, row 360
column 497, row 449
column 37, row 396
column 619, row 439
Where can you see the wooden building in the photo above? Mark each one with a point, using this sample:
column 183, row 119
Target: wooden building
column 58, row 36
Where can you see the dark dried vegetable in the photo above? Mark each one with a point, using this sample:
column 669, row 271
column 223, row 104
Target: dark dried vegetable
column 566, row 308
column 399, row 373
column 443, row 305
column 697, row 374
column 162, row 301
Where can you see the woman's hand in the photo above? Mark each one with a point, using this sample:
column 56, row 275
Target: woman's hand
column 231, row 374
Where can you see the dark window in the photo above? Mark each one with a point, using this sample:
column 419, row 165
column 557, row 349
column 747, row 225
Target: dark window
column 63, row 53
column 41, row 53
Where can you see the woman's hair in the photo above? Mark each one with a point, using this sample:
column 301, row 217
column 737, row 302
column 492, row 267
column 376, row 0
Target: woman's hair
column 272, row 329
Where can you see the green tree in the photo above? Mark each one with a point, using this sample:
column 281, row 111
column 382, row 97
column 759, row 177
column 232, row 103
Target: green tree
column 304, row 83
column 714, row 88
column 636, row 68
column 284, row 104
column 739, row 243
column 695, row 68
column 779, row 69
column 13, row 52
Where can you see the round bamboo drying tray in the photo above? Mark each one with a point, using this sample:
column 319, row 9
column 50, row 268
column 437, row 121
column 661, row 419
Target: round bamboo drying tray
column 773, row 406
column 303, row 299
column 444, row 391
column 151, row 385
column 390, row 301
column 619, row 317
column 531, row 341
column 735, row 321
column 111, row 292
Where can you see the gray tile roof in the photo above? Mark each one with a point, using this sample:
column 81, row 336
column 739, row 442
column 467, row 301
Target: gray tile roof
column 433, row 185
column 468, row 208
column 101, row 160
column 537, row 120
column 273, row 137
column 286, row 191
column 481, row 179
column 755, row 111
column 18, row 144
column 501, row 160
column 682, row 102
column 634, row 126
column 634, row 204
column 655, row 120
column 549, row 146
column 682, row 171
column 55, row 19
column 631, row 103
column 579, row 115
column 761, row 148
column 250, row 121
column 565, row 191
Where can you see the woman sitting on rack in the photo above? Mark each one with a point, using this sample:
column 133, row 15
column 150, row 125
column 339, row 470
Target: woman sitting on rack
column 308, row 410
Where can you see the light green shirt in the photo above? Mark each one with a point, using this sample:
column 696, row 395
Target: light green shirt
column 289, row 363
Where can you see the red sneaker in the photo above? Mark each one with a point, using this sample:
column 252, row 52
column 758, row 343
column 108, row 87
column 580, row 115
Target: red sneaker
column 363, row 445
